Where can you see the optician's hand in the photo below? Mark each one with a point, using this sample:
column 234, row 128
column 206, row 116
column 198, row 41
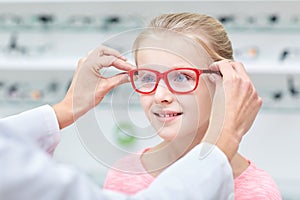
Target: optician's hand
column 88, row 87
column 234, row 108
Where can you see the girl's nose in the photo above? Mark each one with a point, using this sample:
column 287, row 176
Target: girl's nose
column 163, row 94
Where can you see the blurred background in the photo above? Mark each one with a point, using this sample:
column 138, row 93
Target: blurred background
column 42, row 40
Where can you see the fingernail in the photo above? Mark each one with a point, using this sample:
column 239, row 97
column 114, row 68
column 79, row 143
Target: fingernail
column 213, row 66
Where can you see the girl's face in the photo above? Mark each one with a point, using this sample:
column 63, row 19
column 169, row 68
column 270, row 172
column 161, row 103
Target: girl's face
column 175, row 115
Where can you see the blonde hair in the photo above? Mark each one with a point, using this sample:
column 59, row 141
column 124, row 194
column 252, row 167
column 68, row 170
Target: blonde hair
column 204, row 29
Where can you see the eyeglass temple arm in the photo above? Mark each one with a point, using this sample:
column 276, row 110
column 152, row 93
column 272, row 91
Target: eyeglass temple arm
column 208, row 71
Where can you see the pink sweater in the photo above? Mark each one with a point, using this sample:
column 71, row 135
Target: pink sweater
column 252, row 184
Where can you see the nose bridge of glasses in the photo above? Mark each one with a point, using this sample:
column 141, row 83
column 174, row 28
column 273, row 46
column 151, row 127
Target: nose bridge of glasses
column 162, row 76
column 164, row 86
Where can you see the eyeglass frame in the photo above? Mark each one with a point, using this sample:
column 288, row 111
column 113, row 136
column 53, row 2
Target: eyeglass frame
column 164, row 77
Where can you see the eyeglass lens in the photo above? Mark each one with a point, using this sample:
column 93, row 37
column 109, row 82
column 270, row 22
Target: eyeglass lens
column 181, row 80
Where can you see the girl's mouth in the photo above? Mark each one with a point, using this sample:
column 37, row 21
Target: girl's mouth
column 166, row 115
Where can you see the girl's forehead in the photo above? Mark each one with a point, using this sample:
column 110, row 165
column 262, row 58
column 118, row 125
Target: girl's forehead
column 171, row 51
column 163, row 68
column 157, row 58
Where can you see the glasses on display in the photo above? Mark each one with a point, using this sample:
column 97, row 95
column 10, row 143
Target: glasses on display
column 178, row 80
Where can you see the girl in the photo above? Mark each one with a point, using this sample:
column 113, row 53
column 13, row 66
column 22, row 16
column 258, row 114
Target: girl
column 175, row 93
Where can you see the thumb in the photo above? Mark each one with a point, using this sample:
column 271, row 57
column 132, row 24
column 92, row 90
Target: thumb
column 219, row 90
column 218, row 82
column 218, row 104
column 215, row 78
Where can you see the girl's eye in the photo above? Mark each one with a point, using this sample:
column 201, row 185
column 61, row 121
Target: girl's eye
column 147, row 78
column 182, row 77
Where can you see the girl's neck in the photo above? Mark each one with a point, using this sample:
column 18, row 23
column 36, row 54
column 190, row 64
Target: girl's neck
column 166, row 153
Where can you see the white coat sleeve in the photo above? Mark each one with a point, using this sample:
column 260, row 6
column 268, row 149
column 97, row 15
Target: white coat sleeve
column 192, row 177
column 27, row 172
column 39, row 124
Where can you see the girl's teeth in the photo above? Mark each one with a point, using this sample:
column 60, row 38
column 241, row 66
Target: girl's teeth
column 168, row 115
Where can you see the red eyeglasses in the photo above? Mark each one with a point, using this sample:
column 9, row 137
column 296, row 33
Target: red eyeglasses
column 178, row 80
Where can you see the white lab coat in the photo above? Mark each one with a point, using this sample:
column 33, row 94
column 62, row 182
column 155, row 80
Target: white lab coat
column 28, row 172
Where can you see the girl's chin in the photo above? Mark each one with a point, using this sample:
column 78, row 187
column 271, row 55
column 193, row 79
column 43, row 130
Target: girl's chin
column 167, row 136
column 171, row 136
